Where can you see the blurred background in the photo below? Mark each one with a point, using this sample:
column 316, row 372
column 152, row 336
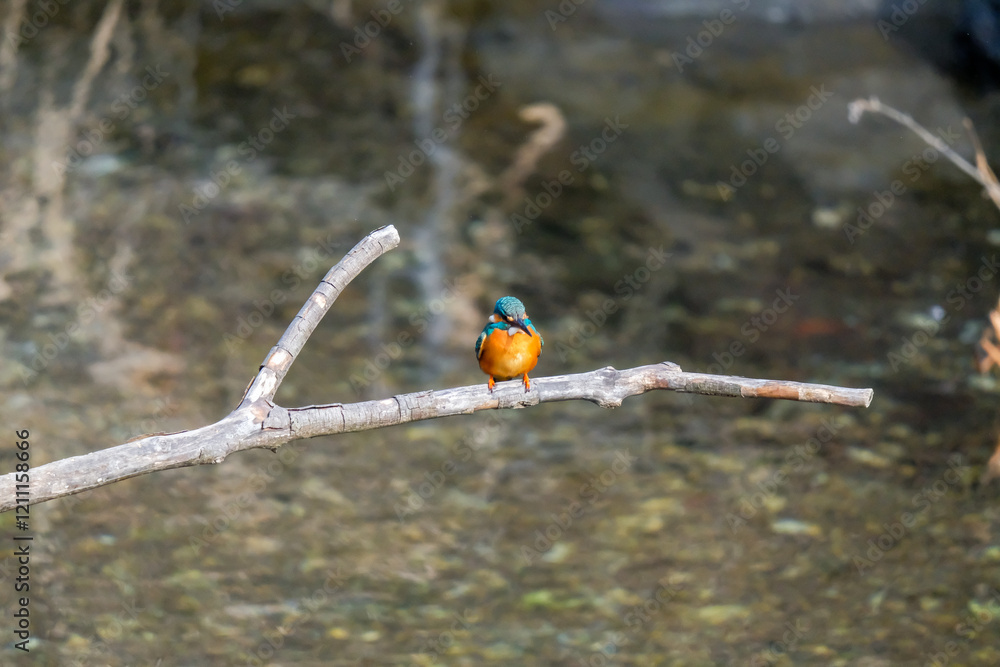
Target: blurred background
column 655, row 179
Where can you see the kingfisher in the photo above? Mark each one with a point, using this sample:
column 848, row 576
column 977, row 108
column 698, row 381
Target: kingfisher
column 509, row 344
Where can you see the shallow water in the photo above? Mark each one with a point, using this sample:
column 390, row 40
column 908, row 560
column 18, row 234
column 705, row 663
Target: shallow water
column 673, row 530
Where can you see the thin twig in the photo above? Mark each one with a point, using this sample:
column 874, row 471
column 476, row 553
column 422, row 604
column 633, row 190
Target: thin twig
column 282, row 356
column 857, row 108
column 985, row 176
column 259, row 423
column 982, row 165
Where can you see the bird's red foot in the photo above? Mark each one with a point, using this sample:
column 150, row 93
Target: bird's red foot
column 491, row 384
column 527, row 384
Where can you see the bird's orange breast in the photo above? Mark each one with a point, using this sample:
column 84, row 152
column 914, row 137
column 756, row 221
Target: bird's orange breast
column 506, row 357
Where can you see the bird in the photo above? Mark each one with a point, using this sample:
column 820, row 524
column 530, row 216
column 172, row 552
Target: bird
column 510, row 344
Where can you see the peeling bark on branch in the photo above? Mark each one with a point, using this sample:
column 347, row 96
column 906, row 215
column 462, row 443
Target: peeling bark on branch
column 259, row 423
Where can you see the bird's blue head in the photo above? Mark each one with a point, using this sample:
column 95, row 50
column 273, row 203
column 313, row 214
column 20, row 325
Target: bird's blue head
column 510, row 309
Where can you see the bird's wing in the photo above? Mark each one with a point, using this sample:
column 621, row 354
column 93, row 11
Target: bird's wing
column 479, row 343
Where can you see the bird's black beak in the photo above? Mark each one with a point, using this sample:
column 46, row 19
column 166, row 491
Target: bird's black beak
column 520, row 322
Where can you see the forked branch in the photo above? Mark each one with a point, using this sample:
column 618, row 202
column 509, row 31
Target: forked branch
column 259, row 423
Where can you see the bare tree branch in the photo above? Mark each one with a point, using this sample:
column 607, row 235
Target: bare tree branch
column 857, row 108
column 259, row 423
column 983, row 173
column 282, row 355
